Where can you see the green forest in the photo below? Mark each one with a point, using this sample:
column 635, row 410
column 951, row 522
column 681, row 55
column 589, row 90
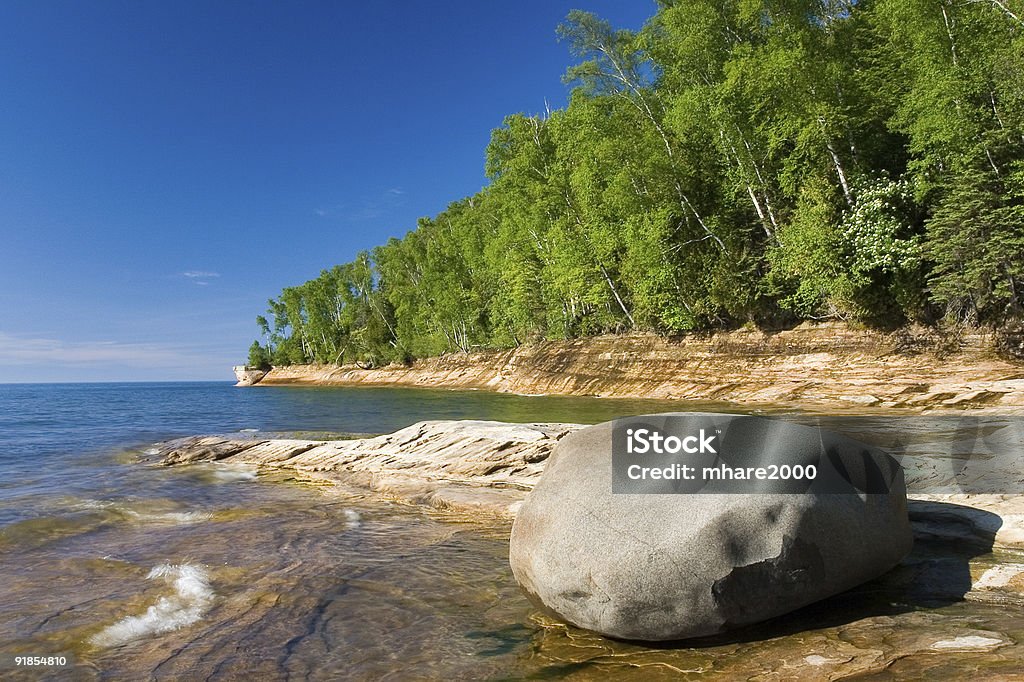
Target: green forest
column 733, row 162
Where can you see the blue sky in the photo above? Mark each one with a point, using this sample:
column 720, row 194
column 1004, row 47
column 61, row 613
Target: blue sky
column 165, row 167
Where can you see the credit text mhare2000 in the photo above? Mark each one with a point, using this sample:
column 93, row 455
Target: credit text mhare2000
column 718, row 453
column 641, row 441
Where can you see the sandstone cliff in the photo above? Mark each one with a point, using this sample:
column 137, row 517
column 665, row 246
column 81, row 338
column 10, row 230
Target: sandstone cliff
column 830, row 364
column 248, row 376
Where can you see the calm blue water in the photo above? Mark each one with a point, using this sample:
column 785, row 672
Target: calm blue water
column 81, row 425
column 56, row 419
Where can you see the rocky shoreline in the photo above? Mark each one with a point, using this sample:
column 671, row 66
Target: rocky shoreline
column 479, row 466
column 825, row 365
column 489, row 467
column 955, row 596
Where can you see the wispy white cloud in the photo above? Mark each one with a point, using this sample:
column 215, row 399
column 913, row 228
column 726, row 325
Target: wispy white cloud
column 200, row 277
column 31, row 350
column 396, row 191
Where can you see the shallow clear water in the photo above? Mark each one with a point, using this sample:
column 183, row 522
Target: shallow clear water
column 210, row 571
column 120, row 563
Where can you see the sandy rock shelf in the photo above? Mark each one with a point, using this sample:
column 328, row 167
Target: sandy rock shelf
column 489, row 467
column 465, row 465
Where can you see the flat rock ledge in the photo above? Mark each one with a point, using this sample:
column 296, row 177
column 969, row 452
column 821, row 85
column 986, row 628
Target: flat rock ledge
column 472, row 466
column 489, row 467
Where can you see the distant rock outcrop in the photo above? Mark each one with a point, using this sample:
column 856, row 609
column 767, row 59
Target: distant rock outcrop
column 247, row 376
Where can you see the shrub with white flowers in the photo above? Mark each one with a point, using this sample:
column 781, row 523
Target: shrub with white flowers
column 876, row 231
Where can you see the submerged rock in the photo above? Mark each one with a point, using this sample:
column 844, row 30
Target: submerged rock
column 676, row 566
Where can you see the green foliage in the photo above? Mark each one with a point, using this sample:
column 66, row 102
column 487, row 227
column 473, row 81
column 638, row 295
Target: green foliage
column 734, row 161
column 259, row 357
column 861, row 261
column 976, row 240
column 877, row 229
column 805, row 265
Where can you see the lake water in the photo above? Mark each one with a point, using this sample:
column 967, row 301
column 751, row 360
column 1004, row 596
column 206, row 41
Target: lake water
column 133, row 571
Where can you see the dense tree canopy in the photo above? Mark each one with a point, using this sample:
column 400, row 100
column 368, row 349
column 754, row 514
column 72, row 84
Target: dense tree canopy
column 734, row 161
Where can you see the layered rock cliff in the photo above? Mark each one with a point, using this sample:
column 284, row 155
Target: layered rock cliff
column 830, row 364
column 248, row 376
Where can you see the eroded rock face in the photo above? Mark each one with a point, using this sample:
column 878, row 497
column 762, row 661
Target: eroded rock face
column 676, row 566
column 248, row 376
column 827, row 364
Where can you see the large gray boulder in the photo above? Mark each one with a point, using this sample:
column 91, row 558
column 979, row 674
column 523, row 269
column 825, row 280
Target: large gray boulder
column 691, row 564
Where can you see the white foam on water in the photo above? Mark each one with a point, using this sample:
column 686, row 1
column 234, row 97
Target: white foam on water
column 231, row 473
column 176, row 518
column 189, row 601
column 125, row 510
column 354, row 518
column 91, row 504
column 248, row 430
column 998, row 576
column 151, row 451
